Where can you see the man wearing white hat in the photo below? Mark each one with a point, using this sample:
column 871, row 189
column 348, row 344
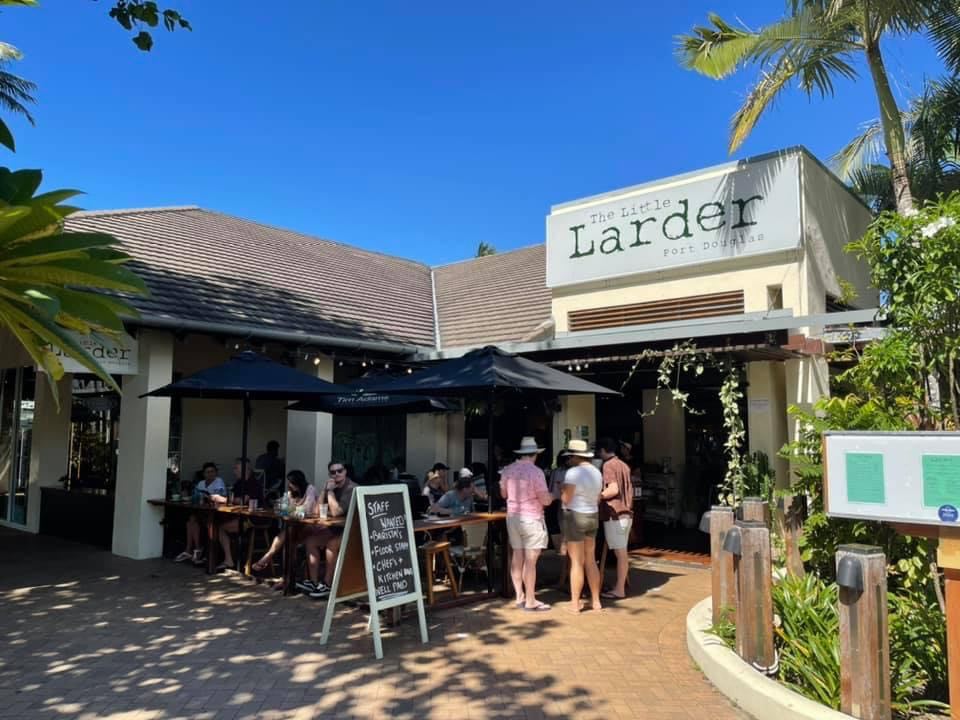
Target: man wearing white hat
column 524, row 487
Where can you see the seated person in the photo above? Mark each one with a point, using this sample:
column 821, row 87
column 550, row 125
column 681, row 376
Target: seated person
column 245, row 489
column 304, row 497
column 479, row 486
column 458, row 501
column 209, row 486
column 434, row 487
column 319, row 539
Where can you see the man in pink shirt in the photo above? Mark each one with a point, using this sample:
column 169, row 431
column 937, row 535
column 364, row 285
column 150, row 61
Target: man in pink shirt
column 524, row 487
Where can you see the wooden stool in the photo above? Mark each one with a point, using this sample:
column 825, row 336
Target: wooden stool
column 603, row 566
column 252, row 533
column 430, row 551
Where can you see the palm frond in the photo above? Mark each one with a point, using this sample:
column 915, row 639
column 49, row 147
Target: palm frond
column 717, row 50
column 864, row 150
column 943, row 27
column 16, row 93
column 761, row 95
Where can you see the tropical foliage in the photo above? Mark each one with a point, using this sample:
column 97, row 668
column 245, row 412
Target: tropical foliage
column 52, row 282
column 932, row 126
column 817, row 43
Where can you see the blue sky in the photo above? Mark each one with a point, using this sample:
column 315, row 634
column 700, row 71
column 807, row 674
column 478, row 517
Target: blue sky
column 418, row 129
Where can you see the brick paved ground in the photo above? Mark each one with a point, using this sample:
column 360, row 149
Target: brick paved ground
column 89, row 635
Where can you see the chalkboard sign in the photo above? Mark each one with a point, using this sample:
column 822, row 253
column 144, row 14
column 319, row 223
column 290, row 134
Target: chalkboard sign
column 389, row 557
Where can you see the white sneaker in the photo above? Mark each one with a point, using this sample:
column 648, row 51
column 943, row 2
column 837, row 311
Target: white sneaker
column 183, row 557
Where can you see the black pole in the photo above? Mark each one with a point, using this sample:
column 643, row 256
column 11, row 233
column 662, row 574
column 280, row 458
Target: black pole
column 243, row 441
column 493, row 487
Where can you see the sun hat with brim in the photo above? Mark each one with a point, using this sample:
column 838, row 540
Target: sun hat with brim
column 578, row 448
column 528, row 446
column 465, row 473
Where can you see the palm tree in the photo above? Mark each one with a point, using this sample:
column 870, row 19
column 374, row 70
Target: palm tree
column 15, row 93
column 484, row 249
column 815, row 44
column 932, row 127
column 52, row 283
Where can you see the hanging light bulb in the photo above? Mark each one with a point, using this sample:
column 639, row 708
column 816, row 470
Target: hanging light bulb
column 306, row 356
column 409, row 371
column 316, row 360
column 236, row 346
column 341, row 363
column 578, row 368
column 363, row 364
column 569, row 368
column 386, row 366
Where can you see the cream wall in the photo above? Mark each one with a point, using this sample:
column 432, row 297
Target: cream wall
column 707, row 279
column 50, row 445
column 767, row 414
column 426, row 442
column 212, row 429
column 575, row 411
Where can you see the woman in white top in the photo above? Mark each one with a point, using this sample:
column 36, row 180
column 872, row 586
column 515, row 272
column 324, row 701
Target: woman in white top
column 211, row 488
column 305, row 499
column 582, row 486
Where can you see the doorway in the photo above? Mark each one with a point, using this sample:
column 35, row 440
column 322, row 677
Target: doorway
column 17, row 393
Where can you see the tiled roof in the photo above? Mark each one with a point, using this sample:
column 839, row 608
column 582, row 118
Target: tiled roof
column 491, row 299
column 206, row 266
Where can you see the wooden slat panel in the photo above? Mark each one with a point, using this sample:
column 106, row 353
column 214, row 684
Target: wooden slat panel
column 685, row 308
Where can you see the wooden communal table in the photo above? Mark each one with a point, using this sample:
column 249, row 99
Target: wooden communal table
column 496, row 521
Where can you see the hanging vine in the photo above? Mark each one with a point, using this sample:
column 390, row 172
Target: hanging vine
column 686, row 357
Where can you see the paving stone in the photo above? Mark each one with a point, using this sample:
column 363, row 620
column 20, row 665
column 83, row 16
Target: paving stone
column 97, row 636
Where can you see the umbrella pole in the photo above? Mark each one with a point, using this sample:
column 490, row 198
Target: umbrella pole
column 493, row 488
column 243, row 439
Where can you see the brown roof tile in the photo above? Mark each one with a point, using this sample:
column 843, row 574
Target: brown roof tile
column 203, row 265
column 491, row 299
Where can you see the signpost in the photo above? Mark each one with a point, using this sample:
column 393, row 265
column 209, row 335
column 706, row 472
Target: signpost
column 381, row 543
column 912, row 480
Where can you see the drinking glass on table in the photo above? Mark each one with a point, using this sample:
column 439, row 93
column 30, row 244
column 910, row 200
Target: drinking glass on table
column 324, row 511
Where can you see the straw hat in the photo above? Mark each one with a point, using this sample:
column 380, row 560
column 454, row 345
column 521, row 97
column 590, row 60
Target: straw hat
column 528, row 446
column 578, row 448
column 465, row 473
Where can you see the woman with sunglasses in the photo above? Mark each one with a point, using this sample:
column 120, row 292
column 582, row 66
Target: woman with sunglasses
column 304, row 497
column 338, row 493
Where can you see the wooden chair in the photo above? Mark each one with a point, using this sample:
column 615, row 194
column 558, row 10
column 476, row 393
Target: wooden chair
column 430, row 550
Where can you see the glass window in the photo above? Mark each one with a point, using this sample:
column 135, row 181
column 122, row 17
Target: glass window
column 94, row 422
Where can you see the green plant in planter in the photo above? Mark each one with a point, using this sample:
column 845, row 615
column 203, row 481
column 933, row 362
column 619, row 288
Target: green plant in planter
column 759, row 479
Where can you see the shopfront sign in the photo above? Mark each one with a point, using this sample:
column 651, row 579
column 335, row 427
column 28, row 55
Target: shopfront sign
column 118, row 356
column 751, row 209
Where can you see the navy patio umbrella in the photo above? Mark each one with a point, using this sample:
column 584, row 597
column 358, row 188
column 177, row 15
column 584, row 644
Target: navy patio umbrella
column 484, row 374
column 249, row 376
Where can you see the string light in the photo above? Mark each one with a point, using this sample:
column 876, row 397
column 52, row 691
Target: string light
column 578, row 368
column 409, row 371
column 569, row 368
column 341, row 363
column 364, row 363
column 236, row 346
column 316, row 360
column 386, row 366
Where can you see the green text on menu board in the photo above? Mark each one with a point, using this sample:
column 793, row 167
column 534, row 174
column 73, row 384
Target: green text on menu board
column 865, row 478
column 941, row 480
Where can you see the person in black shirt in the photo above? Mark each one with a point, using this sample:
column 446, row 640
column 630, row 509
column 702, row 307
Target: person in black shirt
column 245, row 489
column 273, row 469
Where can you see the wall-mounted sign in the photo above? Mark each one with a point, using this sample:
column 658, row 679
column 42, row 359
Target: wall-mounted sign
column 907, row 477
column 117, row 357
column 750, row 209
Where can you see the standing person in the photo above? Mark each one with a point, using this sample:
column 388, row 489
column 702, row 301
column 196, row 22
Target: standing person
column 554, row 515
column 524, row 487
column 337, row 497
column 616, row 510
column 581, row 496
column 272, row 466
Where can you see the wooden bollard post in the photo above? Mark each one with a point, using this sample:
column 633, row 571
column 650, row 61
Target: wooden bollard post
column 724, row 585
column 864, row 637
column 755, row 509
column 754, row 599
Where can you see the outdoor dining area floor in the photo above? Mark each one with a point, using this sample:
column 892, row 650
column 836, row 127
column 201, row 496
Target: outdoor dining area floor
column 87, row 634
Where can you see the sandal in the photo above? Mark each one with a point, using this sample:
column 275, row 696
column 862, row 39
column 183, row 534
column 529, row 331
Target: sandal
column 540, row 607
column 610, row 596
column 262, row 564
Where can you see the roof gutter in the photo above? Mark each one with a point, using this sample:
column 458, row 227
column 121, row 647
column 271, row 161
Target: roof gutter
column 287, row 336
